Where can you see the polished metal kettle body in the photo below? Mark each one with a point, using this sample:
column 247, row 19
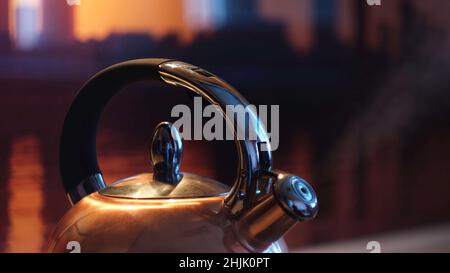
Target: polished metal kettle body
column 169, row 210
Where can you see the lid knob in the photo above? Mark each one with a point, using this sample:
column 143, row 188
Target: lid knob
column 166, row 150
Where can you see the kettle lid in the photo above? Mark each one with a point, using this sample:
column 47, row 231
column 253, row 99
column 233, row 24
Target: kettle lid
column 144, row 186
column 166, row 181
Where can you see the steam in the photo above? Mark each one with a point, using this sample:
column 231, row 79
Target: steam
column 411, row 92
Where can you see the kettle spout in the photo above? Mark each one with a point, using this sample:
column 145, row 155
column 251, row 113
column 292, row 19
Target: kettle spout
column 292, row 200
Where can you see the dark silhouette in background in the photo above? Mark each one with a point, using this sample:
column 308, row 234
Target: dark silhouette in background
column 58, row 23
column 352, row 119
column 4, row 26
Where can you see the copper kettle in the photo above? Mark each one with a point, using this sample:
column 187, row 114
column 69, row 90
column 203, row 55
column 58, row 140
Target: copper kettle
column 172, row 211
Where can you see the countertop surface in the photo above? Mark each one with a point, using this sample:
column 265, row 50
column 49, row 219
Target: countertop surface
column 428, row 239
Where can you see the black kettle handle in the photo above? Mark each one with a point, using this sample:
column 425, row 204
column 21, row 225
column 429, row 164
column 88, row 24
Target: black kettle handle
column 80, row 172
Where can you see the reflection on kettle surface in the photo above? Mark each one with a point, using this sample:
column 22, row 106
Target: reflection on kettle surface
column 169, row 210
column 105, row 224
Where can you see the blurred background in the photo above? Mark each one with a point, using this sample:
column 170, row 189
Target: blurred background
column 363, row 94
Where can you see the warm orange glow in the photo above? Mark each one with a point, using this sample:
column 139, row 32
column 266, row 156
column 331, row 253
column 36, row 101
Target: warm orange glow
column 123, row 204
column 96, row 19
column 26, row 200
